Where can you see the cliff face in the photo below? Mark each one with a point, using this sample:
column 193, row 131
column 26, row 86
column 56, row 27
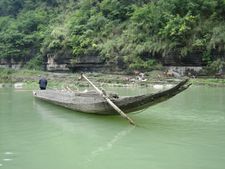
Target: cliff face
column 193, row 59
column 11, row 63
column 96, row 63
column 84, row 63
column 62, row 62
column 57, row 64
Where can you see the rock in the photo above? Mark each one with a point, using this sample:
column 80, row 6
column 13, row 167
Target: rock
column 18, row 85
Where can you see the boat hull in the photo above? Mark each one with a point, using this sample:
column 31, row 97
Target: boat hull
column 92, row 102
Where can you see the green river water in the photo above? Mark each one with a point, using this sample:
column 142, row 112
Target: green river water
column 185, row 132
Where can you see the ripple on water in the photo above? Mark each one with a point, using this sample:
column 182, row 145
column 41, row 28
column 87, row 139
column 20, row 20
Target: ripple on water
column 7, row 159
column 8, row 153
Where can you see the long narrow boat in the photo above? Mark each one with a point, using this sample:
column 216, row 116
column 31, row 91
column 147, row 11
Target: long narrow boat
column 92, row 102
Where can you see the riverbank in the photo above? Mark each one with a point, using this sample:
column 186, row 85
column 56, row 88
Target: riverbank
column 28, row 79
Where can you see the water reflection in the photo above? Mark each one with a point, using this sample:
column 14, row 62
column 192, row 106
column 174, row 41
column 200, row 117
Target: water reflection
column 94, row 129
column 110, row 143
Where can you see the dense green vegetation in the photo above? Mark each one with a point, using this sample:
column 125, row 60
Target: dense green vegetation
column 135, row 32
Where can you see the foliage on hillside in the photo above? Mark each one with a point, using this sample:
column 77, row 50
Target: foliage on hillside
column 135, row 32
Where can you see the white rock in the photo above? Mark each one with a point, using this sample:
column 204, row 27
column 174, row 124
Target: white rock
column 18, row 85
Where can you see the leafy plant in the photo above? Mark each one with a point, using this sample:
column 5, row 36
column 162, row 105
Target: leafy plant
column 136, row 33
column 215, row 66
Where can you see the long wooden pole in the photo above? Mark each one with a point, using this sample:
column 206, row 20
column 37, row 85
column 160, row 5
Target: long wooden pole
column 109, row 101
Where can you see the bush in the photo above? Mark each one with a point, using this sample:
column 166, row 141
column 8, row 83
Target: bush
column 215, row 67
column 35, row 63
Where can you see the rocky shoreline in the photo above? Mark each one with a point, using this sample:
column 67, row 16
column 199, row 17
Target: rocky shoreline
column 29, row 80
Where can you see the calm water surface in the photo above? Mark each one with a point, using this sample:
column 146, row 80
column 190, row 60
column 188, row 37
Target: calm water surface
column 185, row 132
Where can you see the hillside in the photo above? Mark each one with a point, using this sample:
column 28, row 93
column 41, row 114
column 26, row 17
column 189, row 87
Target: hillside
column 133, row 34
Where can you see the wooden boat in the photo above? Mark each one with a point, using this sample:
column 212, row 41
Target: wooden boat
column 93, row 102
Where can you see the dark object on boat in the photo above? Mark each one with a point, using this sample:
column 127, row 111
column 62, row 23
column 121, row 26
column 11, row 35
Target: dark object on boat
column 92, row 102
column 43, row 83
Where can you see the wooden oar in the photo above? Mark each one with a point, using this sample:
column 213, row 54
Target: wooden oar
column 109, row 101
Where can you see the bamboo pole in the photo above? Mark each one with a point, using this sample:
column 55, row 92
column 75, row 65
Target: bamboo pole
column 109, row 101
